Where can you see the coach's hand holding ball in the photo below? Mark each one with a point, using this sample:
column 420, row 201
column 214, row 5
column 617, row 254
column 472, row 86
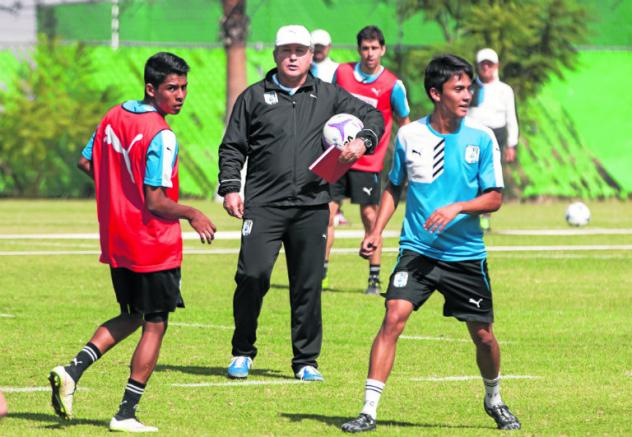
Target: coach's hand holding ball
column 352, row 151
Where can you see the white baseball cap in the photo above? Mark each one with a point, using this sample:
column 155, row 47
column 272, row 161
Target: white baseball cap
column 293, row 34
column 487, row 55
column 321, row 37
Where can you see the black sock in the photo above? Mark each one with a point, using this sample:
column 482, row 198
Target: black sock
column 133, row 391
column 88, row 355
column 325, row 267
column 374, row 271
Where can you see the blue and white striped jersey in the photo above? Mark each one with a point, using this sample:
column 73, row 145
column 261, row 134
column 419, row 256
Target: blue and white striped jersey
column 442, row 169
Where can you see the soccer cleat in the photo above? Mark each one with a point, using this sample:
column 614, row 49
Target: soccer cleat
column 130, row 425
column 309, row 374
column 374, row 288
column 362, row 423
column 503, row 417
column 486, row 223
column 63, row 390
column 239, row 367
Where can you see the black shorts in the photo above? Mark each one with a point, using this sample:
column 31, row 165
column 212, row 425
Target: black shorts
column 362, row 187
column 147, row 293
column 465, row 285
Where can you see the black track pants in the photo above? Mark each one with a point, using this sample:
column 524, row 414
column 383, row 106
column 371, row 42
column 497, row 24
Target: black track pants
column 303, row 232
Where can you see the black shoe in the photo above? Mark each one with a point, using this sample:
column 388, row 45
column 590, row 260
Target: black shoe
column 374, row 288
column 503, row 417
column 363, row 423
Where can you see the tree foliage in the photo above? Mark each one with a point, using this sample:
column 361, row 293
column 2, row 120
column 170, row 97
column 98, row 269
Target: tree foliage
column 533, row 38
column 48, row 114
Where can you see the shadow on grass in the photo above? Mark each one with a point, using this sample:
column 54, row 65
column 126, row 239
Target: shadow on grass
column 325, row 290
column 337, row 422
column 55, row 422
column 220, row 371
column 280, row 286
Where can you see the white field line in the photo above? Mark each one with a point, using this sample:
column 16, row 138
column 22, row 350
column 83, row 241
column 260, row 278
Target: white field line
column 69, row 244
column 423, row 337
column 562, row 232
column 447, row 339
column 468, row 378
column 628, row 373
column 31, row 389
column 200, row 325
column 594, row 247
column 241, row 383
column 557, row 255
column 343, row 234
column 7, row 316
column 221, row 235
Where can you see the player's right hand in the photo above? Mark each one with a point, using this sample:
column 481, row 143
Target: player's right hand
column 203, row 226
column 370, row 244
column 234, row 205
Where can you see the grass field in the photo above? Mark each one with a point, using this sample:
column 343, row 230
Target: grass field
column 562, row 317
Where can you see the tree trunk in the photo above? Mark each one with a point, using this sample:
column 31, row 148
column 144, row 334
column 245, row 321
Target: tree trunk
column 234, row 29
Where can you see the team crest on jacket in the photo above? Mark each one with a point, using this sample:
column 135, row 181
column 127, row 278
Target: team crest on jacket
column 471, row 154
column 247, row 228
column 271, row 98
column 400, row 279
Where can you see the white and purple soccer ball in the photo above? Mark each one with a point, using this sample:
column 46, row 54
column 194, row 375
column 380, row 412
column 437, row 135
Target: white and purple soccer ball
column 577, row 214
column 340, row 129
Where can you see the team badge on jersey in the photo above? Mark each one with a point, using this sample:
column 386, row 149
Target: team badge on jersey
column 247, row 228
column 471, row 154
column 400, row 279
column 271, row 98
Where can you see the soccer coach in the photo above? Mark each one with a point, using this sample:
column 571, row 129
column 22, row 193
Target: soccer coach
column 277, row 124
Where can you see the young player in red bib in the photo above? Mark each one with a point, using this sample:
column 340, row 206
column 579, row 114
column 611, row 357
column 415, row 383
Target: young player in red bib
column 133, row 160
column 370, row 82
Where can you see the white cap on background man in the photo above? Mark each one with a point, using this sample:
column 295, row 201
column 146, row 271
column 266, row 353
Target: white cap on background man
column 487, row 55
column 321, row 37
column 293, row 34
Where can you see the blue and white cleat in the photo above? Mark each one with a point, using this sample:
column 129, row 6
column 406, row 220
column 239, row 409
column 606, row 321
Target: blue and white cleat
column 309, row 374
column 239, row 367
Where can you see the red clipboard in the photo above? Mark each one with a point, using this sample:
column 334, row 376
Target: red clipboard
column 328, row 167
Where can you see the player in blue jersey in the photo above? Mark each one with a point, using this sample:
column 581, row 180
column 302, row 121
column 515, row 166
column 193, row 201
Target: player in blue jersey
column 452, row 165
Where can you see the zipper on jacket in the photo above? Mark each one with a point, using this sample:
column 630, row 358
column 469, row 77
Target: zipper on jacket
column 295, row 193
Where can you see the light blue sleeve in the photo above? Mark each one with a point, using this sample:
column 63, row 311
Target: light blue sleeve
column 490, row 173
column 161, row 159
column 87, row 150
column 397, row 175
column 399, row 101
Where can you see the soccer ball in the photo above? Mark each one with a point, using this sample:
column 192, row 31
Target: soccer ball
column 577, row 214
column 340, row 129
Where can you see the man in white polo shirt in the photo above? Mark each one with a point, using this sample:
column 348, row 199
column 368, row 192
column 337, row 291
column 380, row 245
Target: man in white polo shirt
column 323, row 67
column 493, row 105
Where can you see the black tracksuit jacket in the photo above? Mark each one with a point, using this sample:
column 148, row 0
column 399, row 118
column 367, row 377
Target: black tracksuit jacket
column 282, row 135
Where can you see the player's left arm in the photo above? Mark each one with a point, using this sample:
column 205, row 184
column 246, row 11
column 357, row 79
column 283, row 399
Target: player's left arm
column 490, row 182
column 399, row 104
column 489, row 201
column 161, row 160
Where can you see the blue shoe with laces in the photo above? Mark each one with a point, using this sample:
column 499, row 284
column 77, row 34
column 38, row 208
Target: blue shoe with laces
column 239, row 367
column 309, row 374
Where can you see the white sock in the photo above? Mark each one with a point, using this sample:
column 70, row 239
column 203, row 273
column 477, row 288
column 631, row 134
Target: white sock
column 372, row 392
column 492, row 392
